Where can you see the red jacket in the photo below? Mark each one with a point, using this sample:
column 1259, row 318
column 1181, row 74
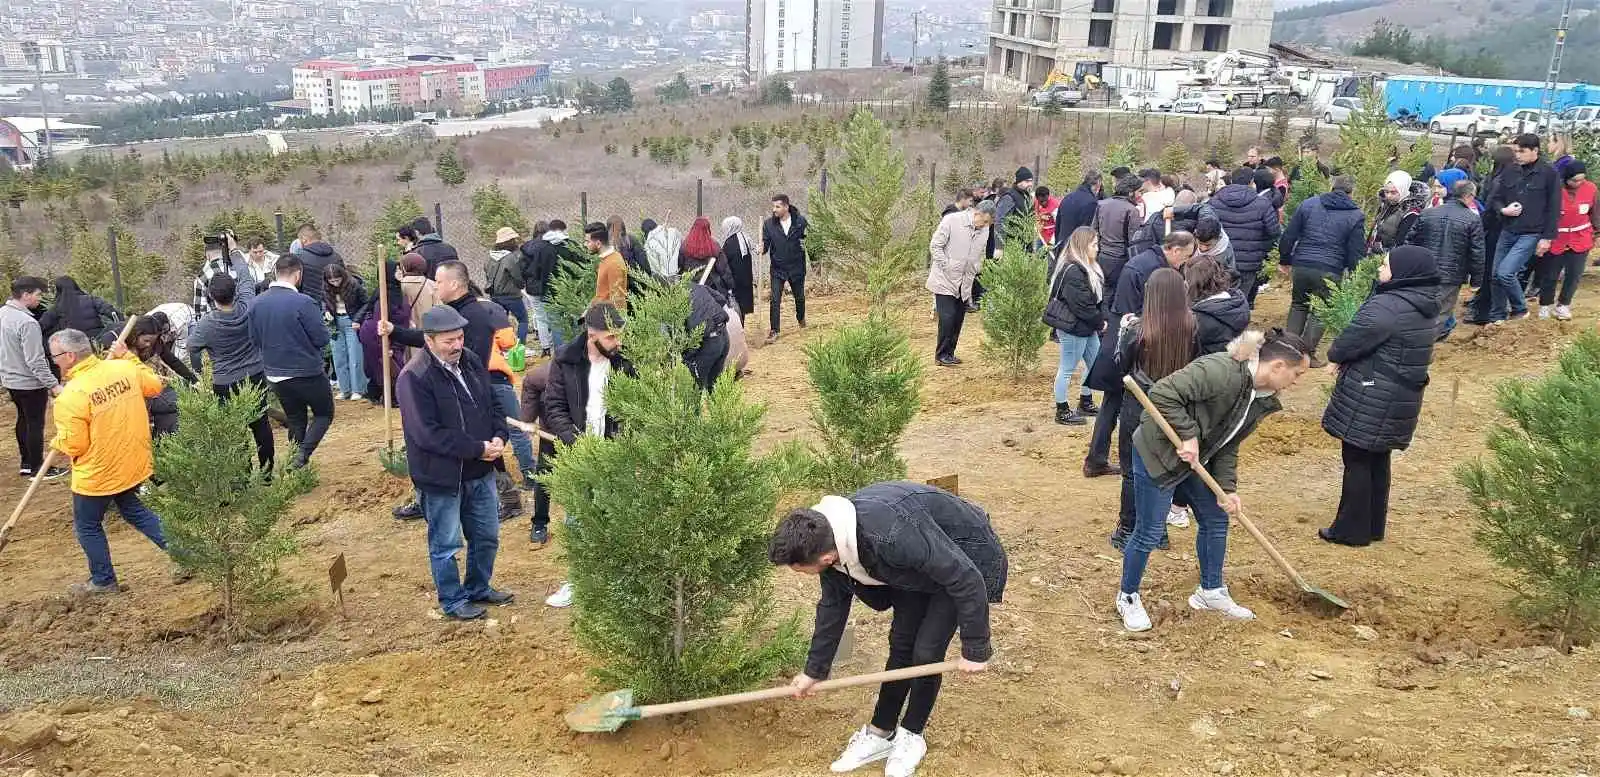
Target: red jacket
column 1579, row 220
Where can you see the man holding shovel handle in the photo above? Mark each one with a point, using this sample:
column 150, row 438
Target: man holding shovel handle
column 923, row 552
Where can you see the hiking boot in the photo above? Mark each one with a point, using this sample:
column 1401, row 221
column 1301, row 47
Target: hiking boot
column 1087, row 407
column 92, row 588
column 1131, row 608
column 906, row 753
column 496, row 598
column 410, row 511
column 1066, row 416
column 465, row 612
column 865, row 747
column 1178, row 517
column 947, row 361
column 561, row 598
column 1563, row 313
column 1100, row 469
column 539, row 536
column 1218, row 600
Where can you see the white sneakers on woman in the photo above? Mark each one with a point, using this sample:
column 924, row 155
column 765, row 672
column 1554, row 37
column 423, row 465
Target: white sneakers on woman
column 1178, row 517
column 1135, row 618
column 1131, row 608
column 904, row 752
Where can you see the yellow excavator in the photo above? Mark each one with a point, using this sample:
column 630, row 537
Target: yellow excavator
column 1085, row 76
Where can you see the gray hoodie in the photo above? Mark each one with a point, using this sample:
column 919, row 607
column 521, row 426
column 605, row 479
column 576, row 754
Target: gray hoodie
column 226, row 334
column 24, row 365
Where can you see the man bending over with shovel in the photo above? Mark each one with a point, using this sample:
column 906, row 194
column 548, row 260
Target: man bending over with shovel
column 925, row 553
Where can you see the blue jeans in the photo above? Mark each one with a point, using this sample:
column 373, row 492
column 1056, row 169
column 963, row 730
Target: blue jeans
column 1150, row 504
column 1512, row 254
column 348, row 363
column 549, row 339
column 472, row 515
column 513, row 305
column 88, row 522
column 507, row 404
column 1073, row 350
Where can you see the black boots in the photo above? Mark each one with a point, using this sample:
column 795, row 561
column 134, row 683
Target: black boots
column 1067, row 417
column 1087, row 407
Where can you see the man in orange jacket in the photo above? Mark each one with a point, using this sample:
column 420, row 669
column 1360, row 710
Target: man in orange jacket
column 102, row 425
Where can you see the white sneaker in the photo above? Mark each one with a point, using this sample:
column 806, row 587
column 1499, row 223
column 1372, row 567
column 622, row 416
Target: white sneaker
column 1219, row 600
column 864, row 748
column 1563, row 313
column 908, row 751
column 1131, row 608
column 1178, row 516
column 1544, row 312
column 562, row 597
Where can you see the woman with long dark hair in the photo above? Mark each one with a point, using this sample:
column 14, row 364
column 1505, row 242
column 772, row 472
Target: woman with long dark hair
column 1151, row 346
column 372, row 344
column 1221, row 311
column 699, row 247
column 343, row 299
column 739, row 250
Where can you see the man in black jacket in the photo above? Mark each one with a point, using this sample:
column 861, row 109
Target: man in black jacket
column 929, row 555
column 1077, row 209
column 783, row 238
column 1325, row 239
column 574, row 399
column 1528, row 198
column 315, row 256
column 1453, row 233
column 453, row 432
column 419, row 238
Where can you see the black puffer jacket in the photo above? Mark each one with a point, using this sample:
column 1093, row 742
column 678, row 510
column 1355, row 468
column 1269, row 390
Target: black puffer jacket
column 1081, row 312
column 1184, row 219
column 1218, row 319
column 1251, row 223
column 914, row 537
column 1327, row 232
column 1383, row 366
column 1453, row 233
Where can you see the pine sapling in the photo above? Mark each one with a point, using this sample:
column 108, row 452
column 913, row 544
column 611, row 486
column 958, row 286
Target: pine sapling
column 1537, row 493
column 1015, row 293
column 1345, row 296
column 868, row 383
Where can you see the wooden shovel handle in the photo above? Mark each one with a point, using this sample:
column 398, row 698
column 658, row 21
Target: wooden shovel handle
column 517, row 423
column 784, row 692
column 38, row 477
column 1216, row 488
column 383, row 353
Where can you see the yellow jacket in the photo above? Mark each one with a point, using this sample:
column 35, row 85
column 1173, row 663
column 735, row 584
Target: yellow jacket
column 102, row 424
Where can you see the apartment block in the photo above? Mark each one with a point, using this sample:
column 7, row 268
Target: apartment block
column 786, row 36
column 351, row 86
column 1030, row 38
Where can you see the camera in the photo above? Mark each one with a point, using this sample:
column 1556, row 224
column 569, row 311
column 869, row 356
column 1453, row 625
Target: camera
column 217, row 245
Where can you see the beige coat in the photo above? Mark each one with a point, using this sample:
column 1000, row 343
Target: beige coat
column 421, row 296
column 957, row 249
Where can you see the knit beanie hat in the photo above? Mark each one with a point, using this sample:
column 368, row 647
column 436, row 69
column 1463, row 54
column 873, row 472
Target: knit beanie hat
column 1574, row 168
column 1024, row 174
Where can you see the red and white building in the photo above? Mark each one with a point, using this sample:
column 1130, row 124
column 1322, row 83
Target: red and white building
column 351, row 86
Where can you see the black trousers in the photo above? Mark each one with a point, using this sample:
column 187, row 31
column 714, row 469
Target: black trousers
column 302, row 397
column 1479, row 306
column 796, row 280
column 706, row 362
column 919, row 634
column 541, row 495
column 1364, row 499
column 952, row 312
column 261, row 428
column 1308, row 283
column 1126, row 425
column 1105, row 424
column 1250, row 284
column 31, row 404
column 1569, row 265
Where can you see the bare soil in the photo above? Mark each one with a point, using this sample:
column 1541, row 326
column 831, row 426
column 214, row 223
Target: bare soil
column 1452, row 684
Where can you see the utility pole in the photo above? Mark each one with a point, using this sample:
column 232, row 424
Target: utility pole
column 1548, row 104
column 916, row 34
column 38, row 84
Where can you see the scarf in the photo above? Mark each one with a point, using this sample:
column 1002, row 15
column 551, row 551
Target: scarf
column 841, row 515
column 733, row 226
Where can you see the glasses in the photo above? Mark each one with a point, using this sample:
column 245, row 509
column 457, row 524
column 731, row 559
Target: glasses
column 54, row 356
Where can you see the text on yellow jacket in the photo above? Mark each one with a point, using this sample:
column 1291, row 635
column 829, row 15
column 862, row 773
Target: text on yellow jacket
column 102, row 424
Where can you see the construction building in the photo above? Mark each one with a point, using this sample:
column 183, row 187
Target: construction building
column 351, row 86
column 1028, row 39
column 786, row 36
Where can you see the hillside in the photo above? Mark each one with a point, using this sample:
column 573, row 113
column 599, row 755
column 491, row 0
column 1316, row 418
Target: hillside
column 1518, row 35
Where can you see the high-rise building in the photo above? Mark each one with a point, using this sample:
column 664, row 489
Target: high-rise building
column 1030, row 38
column 785, row 36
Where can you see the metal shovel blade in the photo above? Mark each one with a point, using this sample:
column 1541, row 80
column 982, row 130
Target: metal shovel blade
column 394, row 461
column 604, row 713
column 1325, row 596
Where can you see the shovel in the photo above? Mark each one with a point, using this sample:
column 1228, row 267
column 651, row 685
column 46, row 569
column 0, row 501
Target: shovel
column 392, row 459
column 49, row 458
column 533, row 429
column 609, row 711
column 1222, row 496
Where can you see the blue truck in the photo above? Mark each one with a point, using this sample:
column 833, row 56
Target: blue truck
column 1426, row 96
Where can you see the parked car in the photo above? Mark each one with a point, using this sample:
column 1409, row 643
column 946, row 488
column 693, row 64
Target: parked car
column 1338, row 111
column 1526, row 120
column 1144, row 100
column 1060, row 94
column 1468, row 119
column 1578, row 117
column 1200, row 102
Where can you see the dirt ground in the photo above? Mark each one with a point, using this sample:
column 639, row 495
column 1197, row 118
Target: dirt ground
column 1439, row 678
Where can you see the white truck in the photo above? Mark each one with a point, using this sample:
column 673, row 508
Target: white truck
column 1245, row 79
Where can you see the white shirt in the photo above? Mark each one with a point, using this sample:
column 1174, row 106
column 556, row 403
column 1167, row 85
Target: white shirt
column 594, row 410
column 1157, row 200
column 784, row 223
column 454, row 368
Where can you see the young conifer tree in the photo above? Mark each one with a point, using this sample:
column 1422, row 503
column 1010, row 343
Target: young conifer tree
column 1066, row 170
column 492, row 209
column 670, row 521
column 1015, row 292
column 868, row 382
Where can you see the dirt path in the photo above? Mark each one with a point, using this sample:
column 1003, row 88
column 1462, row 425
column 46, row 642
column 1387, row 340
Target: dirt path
column 1452, row 684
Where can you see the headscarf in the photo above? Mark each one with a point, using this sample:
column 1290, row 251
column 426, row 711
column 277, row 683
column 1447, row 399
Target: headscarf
column 1411, row 263
column 733, row 226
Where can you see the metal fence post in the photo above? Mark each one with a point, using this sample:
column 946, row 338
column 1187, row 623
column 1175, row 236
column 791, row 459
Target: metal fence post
column 823, row 186
column 438, row 219
column 583, row 208
column 116, row 267
column 1038, row 165
column 699, row 197
column 933, row 178
column 277, row 221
